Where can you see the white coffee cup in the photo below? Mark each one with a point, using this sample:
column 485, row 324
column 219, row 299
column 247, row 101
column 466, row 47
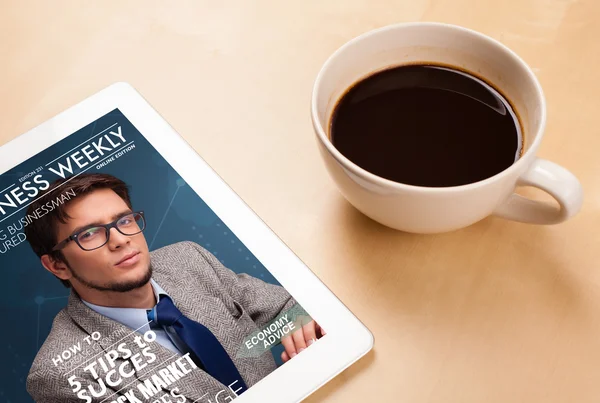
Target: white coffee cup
column 427, row 209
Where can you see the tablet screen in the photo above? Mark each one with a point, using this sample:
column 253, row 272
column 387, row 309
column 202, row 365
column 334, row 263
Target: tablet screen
column 122, row 285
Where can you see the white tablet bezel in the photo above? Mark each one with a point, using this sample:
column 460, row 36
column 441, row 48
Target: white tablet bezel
column 347, row 338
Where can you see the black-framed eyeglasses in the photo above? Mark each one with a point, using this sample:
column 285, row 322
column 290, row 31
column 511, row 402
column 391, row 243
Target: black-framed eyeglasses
column 96, row 236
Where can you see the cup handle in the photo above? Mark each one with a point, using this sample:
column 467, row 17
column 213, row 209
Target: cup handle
column 554, row 180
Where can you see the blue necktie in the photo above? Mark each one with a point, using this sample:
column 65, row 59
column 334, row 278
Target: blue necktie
column 202, row 343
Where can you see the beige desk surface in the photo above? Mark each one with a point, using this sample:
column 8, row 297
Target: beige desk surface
column 498, row 312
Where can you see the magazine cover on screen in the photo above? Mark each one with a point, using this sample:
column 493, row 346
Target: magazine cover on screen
column 122, row 285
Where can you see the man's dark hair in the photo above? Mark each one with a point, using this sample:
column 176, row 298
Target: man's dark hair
column 42, row 232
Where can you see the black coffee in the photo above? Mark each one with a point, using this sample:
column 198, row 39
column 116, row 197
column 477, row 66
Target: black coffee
column 426, row 125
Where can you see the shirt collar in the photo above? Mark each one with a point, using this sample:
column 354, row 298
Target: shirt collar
column 134, row 318
column 158, row 290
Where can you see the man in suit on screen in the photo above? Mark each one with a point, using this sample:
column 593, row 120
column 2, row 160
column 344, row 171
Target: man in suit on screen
column 173, row 320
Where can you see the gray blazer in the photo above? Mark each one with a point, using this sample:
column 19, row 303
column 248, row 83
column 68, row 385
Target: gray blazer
column 231, row 305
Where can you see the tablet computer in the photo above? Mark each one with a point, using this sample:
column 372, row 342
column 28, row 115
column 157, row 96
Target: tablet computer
column 135, row 274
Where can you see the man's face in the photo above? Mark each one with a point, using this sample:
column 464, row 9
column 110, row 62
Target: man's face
column 122, row 264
